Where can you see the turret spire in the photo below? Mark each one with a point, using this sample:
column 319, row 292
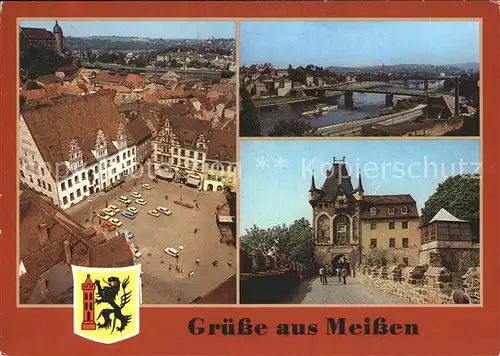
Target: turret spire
column 360, row 183
column 313, row 185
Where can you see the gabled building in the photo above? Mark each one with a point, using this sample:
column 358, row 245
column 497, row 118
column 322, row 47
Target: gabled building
column 181, row 145
column 40, row 37
column 74, row 147
column 220, row 163
column 347, row 223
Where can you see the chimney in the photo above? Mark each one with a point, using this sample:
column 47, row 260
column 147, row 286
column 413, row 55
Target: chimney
column 43, row 234
column 67, row 252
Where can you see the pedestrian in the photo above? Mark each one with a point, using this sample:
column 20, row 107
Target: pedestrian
column 325, row 275
column 339, row 273
column 166, row 197
column 215, row 263
column 197, row 261
column 344, row 274
column 191, row 274
column 321, row 271
column 195, row 231
column 106, row 203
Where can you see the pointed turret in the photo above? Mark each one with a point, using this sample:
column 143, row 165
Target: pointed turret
column 313, row 192
column 360, row 183
column 313, row 186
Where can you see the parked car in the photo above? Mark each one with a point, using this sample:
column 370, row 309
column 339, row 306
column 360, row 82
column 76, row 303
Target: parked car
column 128, row 214
column 135, row 251
column 115, row 222
column 135, row 195
column 124, row 200
column 114, row 208
column 103, row 216
column 164, row 210
column 140, row 201
column 147, row 186
column 154, row 213
column 108, row 225
column 109, row 212
column 172, row 252
column 132, row 209
column 126, row 233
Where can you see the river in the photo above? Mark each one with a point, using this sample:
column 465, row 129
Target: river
column 366, row 104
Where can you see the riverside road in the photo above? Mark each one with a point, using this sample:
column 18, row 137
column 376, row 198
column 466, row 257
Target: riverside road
column 335, row 292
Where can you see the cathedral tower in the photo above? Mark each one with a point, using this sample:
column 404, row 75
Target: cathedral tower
column 58, row 36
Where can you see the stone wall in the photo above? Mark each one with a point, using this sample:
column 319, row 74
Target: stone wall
column 419, row 284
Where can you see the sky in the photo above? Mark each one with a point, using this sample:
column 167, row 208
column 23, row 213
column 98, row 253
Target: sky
column 275, row 175
column 359, row 43
column 151, row 29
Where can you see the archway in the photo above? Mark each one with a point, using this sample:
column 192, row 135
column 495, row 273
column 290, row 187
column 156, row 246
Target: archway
column 210, row 188
column 340, row 261
column 219, row 188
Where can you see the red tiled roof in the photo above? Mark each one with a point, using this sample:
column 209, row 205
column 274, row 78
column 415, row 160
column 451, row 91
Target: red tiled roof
column 189, row 129
column 49, row 79
column 222, row 146
column 54, row 126
column 112, row 253
column 383, row 202
column 108, row 77
column 36, row 33
column 389, row 199
column 139, row 130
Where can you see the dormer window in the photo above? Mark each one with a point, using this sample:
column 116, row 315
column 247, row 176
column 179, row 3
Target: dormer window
column 390, row 211
column 404, row 210
column 373, row 211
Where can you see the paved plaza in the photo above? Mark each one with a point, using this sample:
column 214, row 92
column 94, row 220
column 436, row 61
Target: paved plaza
column 335, row 292
column 162, row 284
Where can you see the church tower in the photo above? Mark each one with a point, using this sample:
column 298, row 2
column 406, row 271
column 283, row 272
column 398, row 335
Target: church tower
column 58, row 36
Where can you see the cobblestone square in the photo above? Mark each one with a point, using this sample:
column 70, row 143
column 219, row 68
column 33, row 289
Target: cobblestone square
column 162, row 284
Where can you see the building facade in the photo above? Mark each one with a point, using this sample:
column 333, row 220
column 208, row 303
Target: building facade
column 74, row 147
column 347, row 223
column 182, row 145
column 42, row 38
column 220, row 164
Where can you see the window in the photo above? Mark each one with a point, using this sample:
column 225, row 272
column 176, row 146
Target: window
column 49, row 187
column 392, row 243
column 63, row 186
column 39, row 182
column 183, row 152
column 78, row 193
column 191, row 154
column 65, row 200
column 133, row 151
column 133, row 159
column 404, row 225
column 405, row 242
column 22, row 173
column 104, row 176
column 43, row 184
column 198, row 167
column 373, row 226
column 72, row 196
column 190, row 164
column 113, row 171
column 373, row 243
column 342, row 223
column 70, row 183
column 117, row 159
column 373, row 211
column 31, row 179
column 83, row 176
column 124, row 155
column 200, row 156
column 175, row 161
column 103, row 165
column 209, row 176
column 390, row 211
column 84, row 189
column 175, row 151
column 43, row 172
column 128, row 163
column 128, row 153
column 391, row 225
column 95, row 169
column 405, row 261
column 77, row 180
column 404, row 210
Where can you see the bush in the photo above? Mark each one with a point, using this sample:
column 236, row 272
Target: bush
column 376, row 257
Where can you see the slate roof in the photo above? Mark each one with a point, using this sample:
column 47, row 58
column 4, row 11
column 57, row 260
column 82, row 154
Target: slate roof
column 338, row 179
column 222, row 146
column 444, row 215
column 36, row 33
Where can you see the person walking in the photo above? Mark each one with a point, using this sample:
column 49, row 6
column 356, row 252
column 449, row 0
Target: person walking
column 339, row 273
column 344, row 274
column 321, row 275
column 325, row 275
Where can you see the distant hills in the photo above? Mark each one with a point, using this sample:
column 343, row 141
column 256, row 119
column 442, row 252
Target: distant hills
column 404, row 67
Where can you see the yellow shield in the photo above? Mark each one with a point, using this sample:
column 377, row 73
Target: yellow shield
column 106, row 303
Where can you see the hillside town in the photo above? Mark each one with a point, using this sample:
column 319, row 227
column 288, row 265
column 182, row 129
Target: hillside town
column 121, row 167
column 419, row 100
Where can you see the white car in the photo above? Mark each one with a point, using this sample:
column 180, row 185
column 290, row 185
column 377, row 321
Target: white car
column 172, row 252
column 140, row 201
column 115, row 222
column 135, row 195
column 147, row 186
column 164, row 210
column 133, row 209
column 124, row 200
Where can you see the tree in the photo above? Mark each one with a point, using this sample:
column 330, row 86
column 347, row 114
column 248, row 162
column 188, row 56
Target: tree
column 459, row 195
column 293, row 242
column 245, row 262
column 249, row 118
column 295, row 127
column 38, row 61
column 376, row 257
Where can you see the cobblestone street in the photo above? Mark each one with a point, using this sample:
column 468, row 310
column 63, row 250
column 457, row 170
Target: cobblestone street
column 334, row 292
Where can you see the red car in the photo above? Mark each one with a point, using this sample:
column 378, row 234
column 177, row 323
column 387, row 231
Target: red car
column 109, row 226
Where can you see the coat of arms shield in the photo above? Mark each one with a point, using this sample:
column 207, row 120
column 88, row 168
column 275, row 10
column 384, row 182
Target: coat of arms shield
column 106, row 303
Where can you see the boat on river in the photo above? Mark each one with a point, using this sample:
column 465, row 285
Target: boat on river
column 316, row 110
